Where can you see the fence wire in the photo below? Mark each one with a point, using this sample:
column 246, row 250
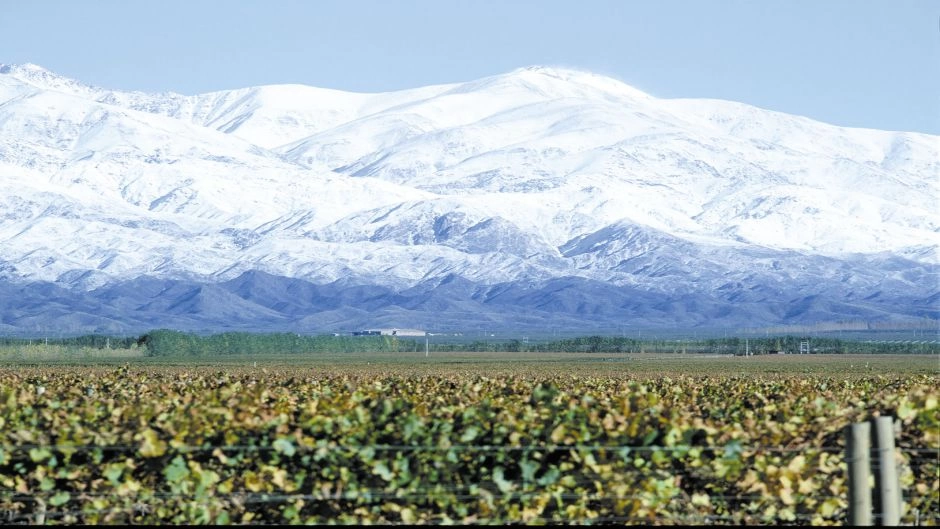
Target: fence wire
column 687, row 519
column 738, row 449
column 142, row 504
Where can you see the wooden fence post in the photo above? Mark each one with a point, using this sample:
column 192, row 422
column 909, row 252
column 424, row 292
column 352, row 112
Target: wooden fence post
column 888, row 495
column 857, row 451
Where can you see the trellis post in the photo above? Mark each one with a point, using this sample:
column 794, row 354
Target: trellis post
column 888, row 495
column 857, row 449
column 869, row 449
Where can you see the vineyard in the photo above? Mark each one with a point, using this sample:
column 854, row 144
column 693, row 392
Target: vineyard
column 393, row 443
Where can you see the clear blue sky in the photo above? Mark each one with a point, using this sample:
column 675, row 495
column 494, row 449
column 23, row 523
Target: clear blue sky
column 866, row 63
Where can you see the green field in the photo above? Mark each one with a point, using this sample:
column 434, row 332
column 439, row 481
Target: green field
column 454, row 437
column 415, row 362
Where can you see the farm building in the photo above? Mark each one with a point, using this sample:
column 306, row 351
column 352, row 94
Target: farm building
column 390, row 332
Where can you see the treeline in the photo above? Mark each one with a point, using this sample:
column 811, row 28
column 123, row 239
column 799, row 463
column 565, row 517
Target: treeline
column 174, row 343
column 792, row 344
column 734, row 345
column 163, row 342
column 90, row 341
column 586, row 344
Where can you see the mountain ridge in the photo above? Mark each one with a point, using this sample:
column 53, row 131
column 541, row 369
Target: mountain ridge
column 523, row 178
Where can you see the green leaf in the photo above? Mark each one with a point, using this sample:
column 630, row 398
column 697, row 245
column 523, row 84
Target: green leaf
column 659, row 457
column 113, row 473
column 291, row 512
column 733, row 450
column 38, row 455
column 469, row 434
column 59, row 499
column 549, row 477
column 382, row 470
column 528, row 469
column 504, row 484
column 367, row 454
column 176, row 471
column 284, row 446
column 46, row 484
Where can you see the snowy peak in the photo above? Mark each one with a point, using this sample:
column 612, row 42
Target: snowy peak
column 526, row 87
column 40, row 77
column 539, row 176
column 27, row 71
column 586, row 79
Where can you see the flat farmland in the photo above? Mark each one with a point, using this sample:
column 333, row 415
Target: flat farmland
column 483, row 363
column 474, row 438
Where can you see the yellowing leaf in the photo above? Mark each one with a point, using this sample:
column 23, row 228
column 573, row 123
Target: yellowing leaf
column 805, row 486
column 829, row 507
column 253, row 482
column 151, row 445
column 558, row 434
column 701, row 500
column 906, row 409
column 797, row 464
column 929, row 404
column 786, row 496
column 279, row 478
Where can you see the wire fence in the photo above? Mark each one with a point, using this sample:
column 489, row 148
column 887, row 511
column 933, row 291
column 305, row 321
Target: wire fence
column 797, row 519
column 690, row 519
column 33, row 506
column 457, row 447
column 471, row 448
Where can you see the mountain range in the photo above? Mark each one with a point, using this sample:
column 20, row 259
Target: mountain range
column 540, row 198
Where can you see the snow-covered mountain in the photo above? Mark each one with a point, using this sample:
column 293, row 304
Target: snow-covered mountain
column 541, row 194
